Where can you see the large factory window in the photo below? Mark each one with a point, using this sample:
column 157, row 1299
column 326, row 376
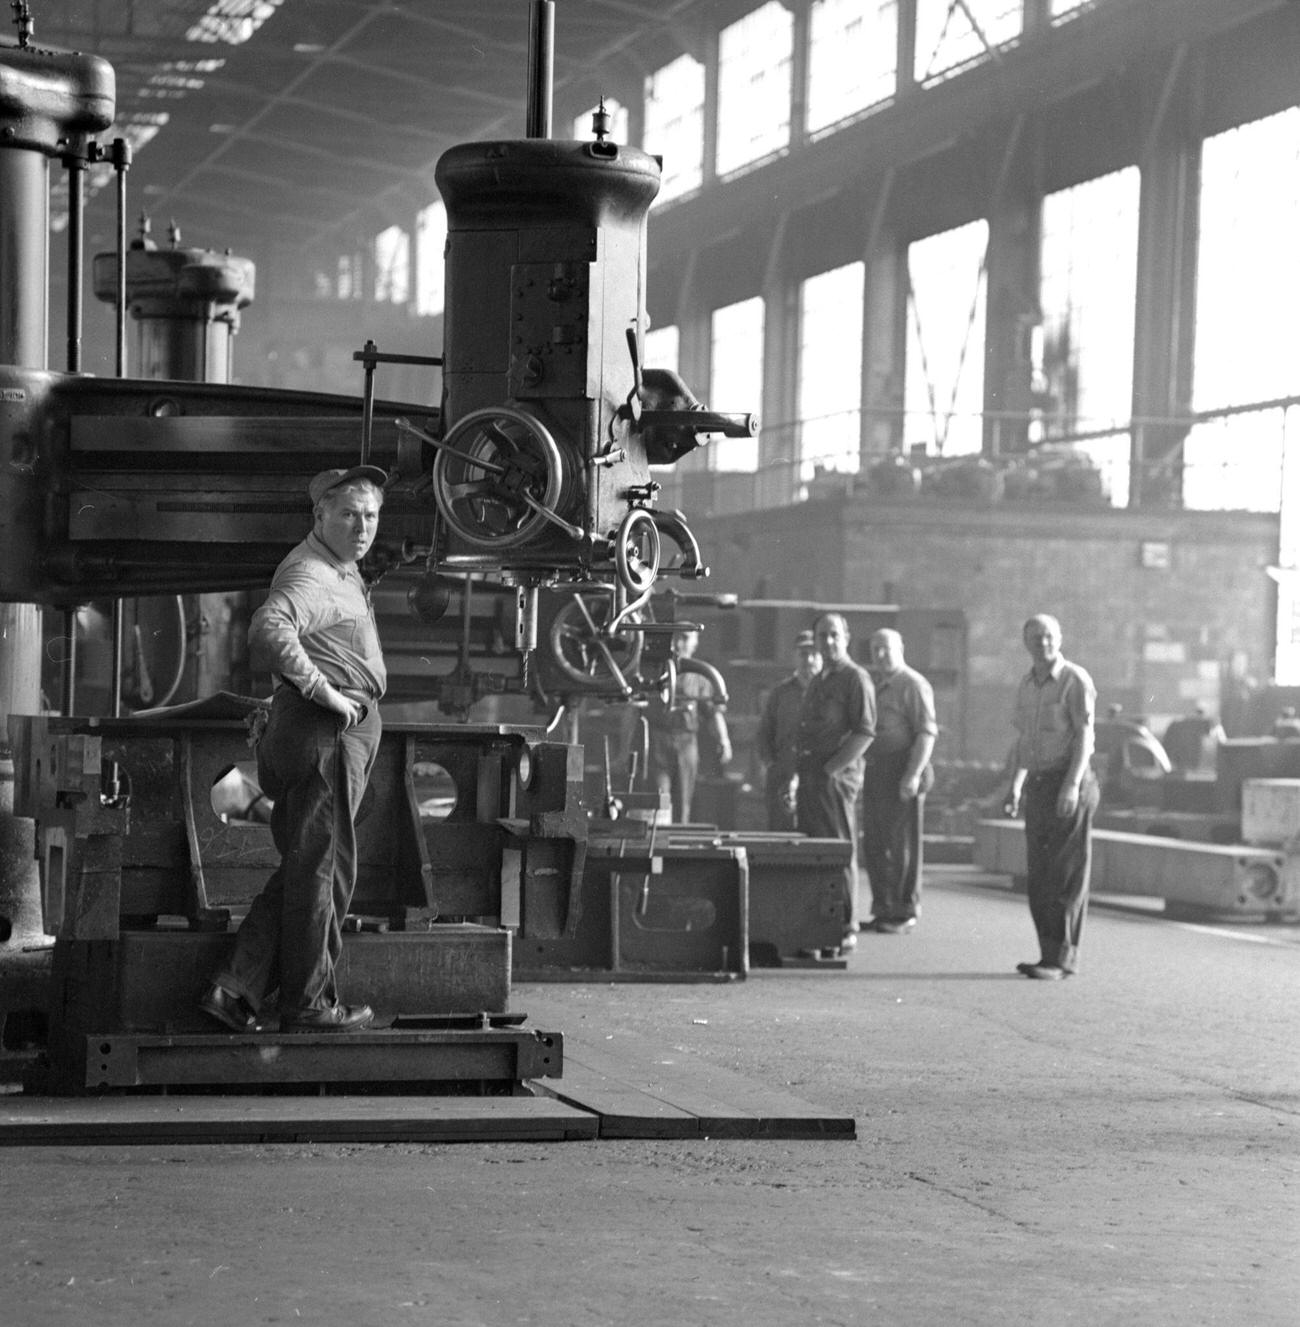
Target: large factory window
column 392, row 266
column 953, row 35
column 1083, row 360
column 1247, row 291
column 754, row 86
column 231, row 22
column 674, row 124
column 618, row 121
column 1069, row 8
column 852, row 58
column 351, row 280
column 830, row 371
column 430, row 243
column 944, row 373
column 736, row 378
column 661, row 348
column 661, row 351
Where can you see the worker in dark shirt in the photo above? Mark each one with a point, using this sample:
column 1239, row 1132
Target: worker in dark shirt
column 778, row 733
column 837, row 725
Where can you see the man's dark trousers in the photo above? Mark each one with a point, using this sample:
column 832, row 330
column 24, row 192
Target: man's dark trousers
column 780, row 802
column 891, row 841
column 315, row 771
column 1059, row 858
column 827, row 809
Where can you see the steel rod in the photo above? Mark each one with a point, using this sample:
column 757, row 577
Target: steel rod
column 76, row 167
column 541, row 68
column 121, row 163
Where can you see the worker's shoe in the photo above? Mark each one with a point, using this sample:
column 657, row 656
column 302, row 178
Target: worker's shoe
column 849, row 942
column 335, row 1018
column 1045, row 972
column 900, row 927
column 228, row 1008
column 1023, row 968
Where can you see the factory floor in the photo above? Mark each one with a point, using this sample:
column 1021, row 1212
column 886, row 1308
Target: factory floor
column 1119, row 1148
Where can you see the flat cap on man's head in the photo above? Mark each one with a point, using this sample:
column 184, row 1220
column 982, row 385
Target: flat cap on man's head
column 806, row 640
column 328, row 479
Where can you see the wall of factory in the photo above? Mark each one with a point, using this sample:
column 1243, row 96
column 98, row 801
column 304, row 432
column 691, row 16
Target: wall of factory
column 1161, row 607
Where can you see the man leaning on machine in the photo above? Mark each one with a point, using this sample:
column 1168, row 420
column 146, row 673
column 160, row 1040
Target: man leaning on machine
column 317, row 630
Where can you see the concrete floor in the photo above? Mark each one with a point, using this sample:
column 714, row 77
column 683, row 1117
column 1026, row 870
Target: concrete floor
column 1120, row 1148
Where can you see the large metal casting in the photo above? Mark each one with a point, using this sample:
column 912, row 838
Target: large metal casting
column 1205, row 879
column 468, row 836
column 653, row 911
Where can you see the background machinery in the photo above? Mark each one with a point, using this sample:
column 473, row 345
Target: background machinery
column 527, row 489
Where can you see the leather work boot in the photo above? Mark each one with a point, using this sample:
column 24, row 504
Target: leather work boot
column 337, row 1018
column 1046, row 972
column 229, row 1009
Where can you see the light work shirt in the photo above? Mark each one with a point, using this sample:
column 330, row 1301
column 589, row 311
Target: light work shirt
column 904, row 710
column 318, row 624
column 1051, row 715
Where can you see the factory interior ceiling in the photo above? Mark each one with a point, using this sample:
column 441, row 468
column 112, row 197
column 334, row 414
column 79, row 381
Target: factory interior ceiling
column 298, row 122
column 314, row 124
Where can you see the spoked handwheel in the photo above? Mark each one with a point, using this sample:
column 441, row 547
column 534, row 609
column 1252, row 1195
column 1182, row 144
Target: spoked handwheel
column 497, row 477
column 582, row 650
column 637, row 550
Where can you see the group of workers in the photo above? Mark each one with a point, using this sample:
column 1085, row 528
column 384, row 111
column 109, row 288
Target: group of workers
column 832, row 732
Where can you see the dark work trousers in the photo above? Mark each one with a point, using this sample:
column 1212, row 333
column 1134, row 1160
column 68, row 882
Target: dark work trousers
column 1059, row 858
column 779, row 792
column 891, row 842
column 674, row 767
column 827, row 809
column 315, row 772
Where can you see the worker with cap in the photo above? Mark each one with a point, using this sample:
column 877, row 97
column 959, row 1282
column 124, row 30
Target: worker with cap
column 317, row 632
column 837, row 725
column 778, row 733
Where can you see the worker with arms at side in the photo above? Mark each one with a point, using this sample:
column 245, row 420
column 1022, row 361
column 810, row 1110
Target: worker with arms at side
column 895, row 782
column 837, row 725
column 1054, row 718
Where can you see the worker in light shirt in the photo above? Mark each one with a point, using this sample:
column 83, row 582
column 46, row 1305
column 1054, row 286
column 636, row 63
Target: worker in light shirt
column 317, row 632
column 1055, row 718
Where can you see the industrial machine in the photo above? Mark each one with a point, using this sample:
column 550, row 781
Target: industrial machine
column 527, row 489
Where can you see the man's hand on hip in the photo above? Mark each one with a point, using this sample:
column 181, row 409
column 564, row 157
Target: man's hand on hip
column 349, row 710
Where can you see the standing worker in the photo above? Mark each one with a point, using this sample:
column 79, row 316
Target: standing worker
column 1055, row 716
column 837, row 725
column 674, row 732
column 778, row 733
column 317, row 629
column 895, row 781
